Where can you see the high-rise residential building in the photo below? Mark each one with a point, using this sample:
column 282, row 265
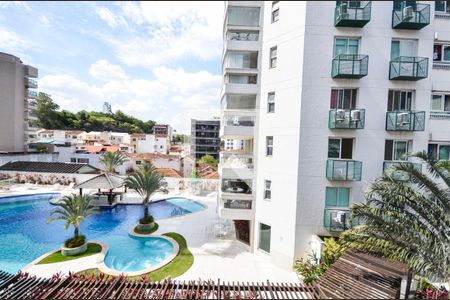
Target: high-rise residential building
column 18, row 100
column 205, row 138
column 328, row 95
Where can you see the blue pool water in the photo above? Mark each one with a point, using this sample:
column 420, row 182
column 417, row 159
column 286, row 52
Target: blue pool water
column 26, row 235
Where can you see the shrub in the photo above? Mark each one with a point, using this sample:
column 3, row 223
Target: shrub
column 146, row 220
column 75, row 242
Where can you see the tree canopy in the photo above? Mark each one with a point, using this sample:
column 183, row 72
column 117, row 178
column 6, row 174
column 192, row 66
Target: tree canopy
column 50, row 117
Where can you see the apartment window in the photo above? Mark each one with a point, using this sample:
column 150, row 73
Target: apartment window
column 275, row 15
column 264, row 237
column 73, row 159
column 273, row 57
column 242, row 79
column 267, row 189
column 83, row 160
column 337, row 197
column 396, row 149
column 442, row 6
column 343, row 98
column 441, row 53
column 242, row 60
column 243, row 16
column 403, row 47
column 350, row 4
column 271, row 102
column 340, row 148
column 269, row 145
column 399, row 100
column 346, row 46
column 439, row 151
column 243, row 36
column 440, row 103
column 400, row 4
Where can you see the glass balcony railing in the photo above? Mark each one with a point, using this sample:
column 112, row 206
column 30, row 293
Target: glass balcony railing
column 336, row 220
column 344, row 170
column 237, row 204
column 389, row 168
column 246, row 121
column 350, row 66
column 408, row 68
column 346, row 118
column 30, row 83
column 405, row 121
column 31, row 94
column 410, row 15
column 237, row 161
column 352, row 13
column 236, row 186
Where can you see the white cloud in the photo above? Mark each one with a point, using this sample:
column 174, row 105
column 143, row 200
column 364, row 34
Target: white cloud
column 14, row 4
column 173, row 31
column 11, row 42
column 173, row 96
column 44, row 20
column 109, row 17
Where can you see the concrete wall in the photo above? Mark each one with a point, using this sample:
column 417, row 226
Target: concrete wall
column 49, row 177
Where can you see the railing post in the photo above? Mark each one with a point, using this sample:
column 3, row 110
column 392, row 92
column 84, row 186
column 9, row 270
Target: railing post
column 346, row 170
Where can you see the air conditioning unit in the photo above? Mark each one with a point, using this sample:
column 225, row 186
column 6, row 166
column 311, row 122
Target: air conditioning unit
column 340, row 115
column 402, row 119
column 408, row 13
column 355, row 115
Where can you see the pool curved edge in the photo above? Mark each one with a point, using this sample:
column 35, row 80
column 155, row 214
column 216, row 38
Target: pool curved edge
column 102, row 254
column 107, row 270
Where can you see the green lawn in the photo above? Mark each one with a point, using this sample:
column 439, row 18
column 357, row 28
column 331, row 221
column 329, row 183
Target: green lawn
column 154, row 228
column 58, row 257
column 179, row 265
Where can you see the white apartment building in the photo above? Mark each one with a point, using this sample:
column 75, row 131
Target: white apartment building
column 327, row 95
column 150, row 143
column 231, row 144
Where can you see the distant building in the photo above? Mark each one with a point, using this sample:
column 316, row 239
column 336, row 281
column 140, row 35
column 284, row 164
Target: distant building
column 150, row 143
column 18, row 101
column 163, row 130
column 205, row 138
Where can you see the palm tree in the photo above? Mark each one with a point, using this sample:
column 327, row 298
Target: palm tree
column 73, row 209
column 112, row 160
column 145, row 182
column 408, row 220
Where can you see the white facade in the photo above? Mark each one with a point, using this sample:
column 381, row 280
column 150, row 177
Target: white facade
column 299, row 42
column 150, row 143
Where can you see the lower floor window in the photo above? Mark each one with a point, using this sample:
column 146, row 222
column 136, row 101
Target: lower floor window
column 439, row 151
column 264, row 237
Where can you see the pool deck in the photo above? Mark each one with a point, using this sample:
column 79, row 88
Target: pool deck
column 214, row 258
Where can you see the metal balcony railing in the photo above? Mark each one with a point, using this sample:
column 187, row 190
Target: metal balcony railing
column 30, row 83
column 408, row 68
column 346, row 118
column 389, row 168
column 343, row 170
column 336, row 219
column 405, row 121
column 350, row 66
column 411, row 16
column 352, row 13
column 31, row 94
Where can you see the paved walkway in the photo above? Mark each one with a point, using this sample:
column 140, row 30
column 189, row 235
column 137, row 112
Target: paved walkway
column 214, row 258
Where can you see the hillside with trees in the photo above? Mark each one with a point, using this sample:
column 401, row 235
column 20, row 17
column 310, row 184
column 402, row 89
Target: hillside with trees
column 51, row 117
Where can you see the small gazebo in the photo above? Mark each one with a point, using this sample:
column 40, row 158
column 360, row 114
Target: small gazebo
column 102, row 182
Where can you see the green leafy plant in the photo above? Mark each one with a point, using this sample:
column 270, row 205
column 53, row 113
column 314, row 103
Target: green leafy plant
column 209, row 160
column 408, row 221
column 112, row 160
column 73, row 210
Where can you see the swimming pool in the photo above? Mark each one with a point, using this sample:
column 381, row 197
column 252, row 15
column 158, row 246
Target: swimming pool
column 26, row 235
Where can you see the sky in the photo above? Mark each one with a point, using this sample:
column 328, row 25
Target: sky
column 153, row 60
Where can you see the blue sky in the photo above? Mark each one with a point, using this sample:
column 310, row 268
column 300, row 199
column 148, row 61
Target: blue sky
column 154, row 60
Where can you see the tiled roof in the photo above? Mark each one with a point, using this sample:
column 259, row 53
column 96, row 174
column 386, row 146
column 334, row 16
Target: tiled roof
column 98, row 149
column 74, row 131
column 102, row 181
column 149, row 156
column 137, row 135
column 212, row 175
column 168, row 172
column 49, row 167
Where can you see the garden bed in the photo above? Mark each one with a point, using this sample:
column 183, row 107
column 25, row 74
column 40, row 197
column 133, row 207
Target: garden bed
column 92, row 248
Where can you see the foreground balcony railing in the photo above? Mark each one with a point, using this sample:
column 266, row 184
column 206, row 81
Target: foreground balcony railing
column 237, row 125
column 350, row 66
column 408, row 68
column 237, row 204
column 405, row 121
column 30, row 83
column 346, row 118
column 344, row 170
column 335, row 220
column 237, row 161
column 236, row 186
column 414, row 16
column 352, row 13
column 389, row 168
column 31, row 94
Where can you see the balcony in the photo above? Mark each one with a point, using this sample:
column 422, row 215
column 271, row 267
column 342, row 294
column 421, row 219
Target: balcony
column 336, row 220
column 237, row 125
column 389, row 168
column 239, row 189
column 343, row 170
column 352, row 13
column 232, row 209
column 415, row 16
column 408, row 68
column 30, row 83
column 236, row 166
column 346, row 118
column 31, row 94
column 405, row 121
column 350, row 66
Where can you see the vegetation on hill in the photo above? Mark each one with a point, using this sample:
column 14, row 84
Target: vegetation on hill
column 50, row 117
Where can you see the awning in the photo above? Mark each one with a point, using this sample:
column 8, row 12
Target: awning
column 102, row 181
